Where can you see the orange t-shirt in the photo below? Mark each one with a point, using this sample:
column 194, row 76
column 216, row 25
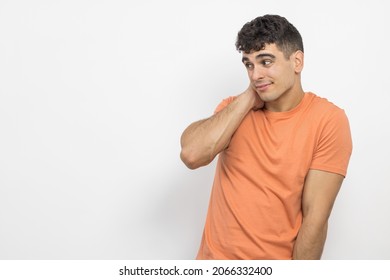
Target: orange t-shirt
column 255, row 204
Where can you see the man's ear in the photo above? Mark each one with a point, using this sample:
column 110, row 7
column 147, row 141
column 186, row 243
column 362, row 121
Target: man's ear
column 298, row 61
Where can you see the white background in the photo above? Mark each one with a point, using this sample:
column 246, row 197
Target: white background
column 94, row 96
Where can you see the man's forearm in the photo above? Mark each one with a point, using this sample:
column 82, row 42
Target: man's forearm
column 203, row 140
column 310, row 242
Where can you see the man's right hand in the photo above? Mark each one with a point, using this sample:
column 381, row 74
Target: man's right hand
column 258, row 104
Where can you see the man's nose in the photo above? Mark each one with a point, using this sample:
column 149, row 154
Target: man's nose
column 257, row 73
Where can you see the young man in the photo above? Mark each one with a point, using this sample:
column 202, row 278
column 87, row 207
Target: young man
column 283, row 154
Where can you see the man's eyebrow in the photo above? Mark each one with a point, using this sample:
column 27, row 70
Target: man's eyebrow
column 261, row 55
column 265, row 54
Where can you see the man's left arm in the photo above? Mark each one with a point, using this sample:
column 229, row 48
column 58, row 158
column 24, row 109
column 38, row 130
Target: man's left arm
column 319, row 194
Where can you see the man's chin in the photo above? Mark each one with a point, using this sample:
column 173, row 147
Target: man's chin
column 266, row 96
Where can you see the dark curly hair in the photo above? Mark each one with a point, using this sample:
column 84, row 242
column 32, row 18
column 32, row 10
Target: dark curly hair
column 269, row 29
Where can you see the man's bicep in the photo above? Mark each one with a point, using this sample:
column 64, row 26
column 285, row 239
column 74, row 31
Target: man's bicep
column 319, row 194
column 334, row 147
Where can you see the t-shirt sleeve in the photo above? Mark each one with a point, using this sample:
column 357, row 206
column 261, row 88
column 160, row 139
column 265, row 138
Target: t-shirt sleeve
column 334, row 147
column 224, row 103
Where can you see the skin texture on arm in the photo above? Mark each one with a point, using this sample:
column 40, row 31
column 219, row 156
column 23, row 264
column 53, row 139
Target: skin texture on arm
column 319, row 194
column 204, row 139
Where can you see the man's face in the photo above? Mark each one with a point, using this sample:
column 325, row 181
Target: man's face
column 271, row 74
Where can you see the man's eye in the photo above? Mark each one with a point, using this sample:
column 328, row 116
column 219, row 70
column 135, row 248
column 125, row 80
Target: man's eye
column 249, row 65
column 266, row 62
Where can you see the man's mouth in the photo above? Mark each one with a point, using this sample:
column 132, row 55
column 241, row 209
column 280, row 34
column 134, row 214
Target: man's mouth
column 262, row 86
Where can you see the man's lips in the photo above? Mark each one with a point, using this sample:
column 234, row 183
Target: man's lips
column 262, row 86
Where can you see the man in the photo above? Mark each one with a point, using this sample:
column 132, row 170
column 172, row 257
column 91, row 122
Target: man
column 283, row 154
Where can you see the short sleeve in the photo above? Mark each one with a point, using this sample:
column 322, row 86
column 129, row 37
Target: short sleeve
column 224, row 103
column 334, row 147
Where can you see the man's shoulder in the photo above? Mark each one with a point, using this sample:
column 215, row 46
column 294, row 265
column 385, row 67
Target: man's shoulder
column 224, row 103
column 322, row 105
column 324, row 113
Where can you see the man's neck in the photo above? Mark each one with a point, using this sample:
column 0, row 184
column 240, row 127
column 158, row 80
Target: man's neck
column 287, row 101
